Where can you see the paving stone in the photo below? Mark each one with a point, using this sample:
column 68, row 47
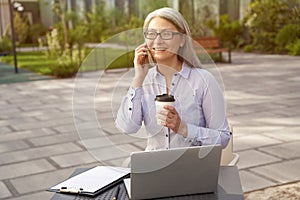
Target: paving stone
column 38, row 152
column 241, row 95
column 4, row 192
column 283, row 121
column 73, row 159
column 285, row 151
column 110, row 129
column 46, row 106
column 108, row 141
column 141, row 145
column 90, row 133
column 36, row 196
column 287, row 134
column 108, row 153
column 264, row 118
column 5, row 129
column 283, row 172
column 255, row 112
column 3, row 103
column 129, row 148
column 252, row 141
column 240, row 130
column 258, row 108
column 54, row 139
column 25, row 168
column 17, row 120
column 12, row 146
column 51, row 114
column 43, row 124
column 20, row 135
column 83, row 126
column 41, row 181
column 32, row 113
column 252, row 158
column 119, row 162
column 20, row 102
column 66, row 128
column 11, row 111
column 252, row 182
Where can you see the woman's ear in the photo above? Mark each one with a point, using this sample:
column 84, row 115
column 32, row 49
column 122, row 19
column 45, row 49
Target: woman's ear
column 183, row 39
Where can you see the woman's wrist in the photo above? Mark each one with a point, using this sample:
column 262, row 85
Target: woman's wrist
column 183, row 130
column 137, row 82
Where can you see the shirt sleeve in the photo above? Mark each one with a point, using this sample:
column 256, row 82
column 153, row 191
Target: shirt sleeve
column 217, row 129
column 129, row 116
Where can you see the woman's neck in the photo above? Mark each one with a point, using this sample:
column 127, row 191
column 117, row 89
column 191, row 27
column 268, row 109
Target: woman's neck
column 169, row 68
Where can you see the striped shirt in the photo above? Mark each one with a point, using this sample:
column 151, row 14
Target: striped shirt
column 199, row 102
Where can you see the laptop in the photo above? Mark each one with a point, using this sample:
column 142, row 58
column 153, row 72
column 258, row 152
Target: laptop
column 174, row 172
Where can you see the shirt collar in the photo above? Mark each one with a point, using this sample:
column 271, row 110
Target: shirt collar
column 184, row 72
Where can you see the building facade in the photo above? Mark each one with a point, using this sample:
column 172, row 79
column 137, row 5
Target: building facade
column 40, row 11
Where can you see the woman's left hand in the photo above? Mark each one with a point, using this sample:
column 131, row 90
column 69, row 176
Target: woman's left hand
column 173, row 120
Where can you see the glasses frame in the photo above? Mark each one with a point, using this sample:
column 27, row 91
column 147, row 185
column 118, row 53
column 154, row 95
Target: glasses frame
column 160, row 34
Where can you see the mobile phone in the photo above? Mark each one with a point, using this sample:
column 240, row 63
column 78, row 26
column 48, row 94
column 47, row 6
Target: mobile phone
column 148, row 59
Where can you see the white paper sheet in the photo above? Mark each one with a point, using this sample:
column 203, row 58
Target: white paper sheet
column 127, row 186
column 94, row 179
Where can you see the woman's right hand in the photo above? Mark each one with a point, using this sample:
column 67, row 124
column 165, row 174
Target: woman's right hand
column 141, row 65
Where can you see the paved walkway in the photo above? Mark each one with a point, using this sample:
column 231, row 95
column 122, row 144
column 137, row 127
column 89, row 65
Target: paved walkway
column 8, row 75
column 39, row 144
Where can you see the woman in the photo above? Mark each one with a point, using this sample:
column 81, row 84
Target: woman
column 198, row 115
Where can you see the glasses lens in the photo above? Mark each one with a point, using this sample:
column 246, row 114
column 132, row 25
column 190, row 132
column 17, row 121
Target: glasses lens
column 150, row 34
column 166, row 35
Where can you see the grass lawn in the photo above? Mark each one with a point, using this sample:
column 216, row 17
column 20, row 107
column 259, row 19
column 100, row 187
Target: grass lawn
column 97, row 59
column 32, row 61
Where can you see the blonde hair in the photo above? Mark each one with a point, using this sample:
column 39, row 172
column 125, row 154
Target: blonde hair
column 187, row 52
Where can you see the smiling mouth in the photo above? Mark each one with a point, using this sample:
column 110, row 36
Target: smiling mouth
column 158, row 49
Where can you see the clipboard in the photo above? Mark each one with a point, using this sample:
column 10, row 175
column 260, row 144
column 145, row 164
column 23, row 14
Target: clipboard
column 93, row 181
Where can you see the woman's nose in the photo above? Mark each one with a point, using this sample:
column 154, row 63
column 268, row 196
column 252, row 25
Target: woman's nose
column 158, row 39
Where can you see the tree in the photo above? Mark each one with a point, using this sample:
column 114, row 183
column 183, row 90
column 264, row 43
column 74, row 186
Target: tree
column 96, row 23
column 60, row 8
column 266, row 18
column 228, row 31
column 21, row 28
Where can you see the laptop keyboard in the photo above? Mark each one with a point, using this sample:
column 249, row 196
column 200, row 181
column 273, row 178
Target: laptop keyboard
column 208, row 196
column 108, row 195
column 123, row 196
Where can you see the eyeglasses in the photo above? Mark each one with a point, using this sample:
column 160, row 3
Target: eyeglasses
column 165, row 34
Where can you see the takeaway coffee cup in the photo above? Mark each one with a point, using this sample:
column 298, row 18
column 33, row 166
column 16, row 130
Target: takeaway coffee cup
column 160, row 102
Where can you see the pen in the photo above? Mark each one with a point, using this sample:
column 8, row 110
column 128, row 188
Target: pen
column 115, row 196
column 70, row 190
column 168, row 138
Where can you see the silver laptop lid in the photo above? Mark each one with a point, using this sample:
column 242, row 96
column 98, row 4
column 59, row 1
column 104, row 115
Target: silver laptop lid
column 173, row 172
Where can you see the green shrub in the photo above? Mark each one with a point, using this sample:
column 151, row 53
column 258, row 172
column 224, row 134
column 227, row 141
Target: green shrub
column 64, row 70
column 266, row 18
column 249, row 48
column 289, row 34
column 124, row 61
column 294, row 48
column 5, row 44
column 35, row 32
column 228, row 31
column 21, row 28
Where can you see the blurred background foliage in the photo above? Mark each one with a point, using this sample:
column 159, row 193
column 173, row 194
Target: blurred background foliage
column 269, row 26
column 269, row 21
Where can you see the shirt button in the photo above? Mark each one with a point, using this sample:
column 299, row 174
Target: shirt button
column 175, row 74
column 131, row 94
column 166, row 135
column 173, row 84
column 130, row 108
